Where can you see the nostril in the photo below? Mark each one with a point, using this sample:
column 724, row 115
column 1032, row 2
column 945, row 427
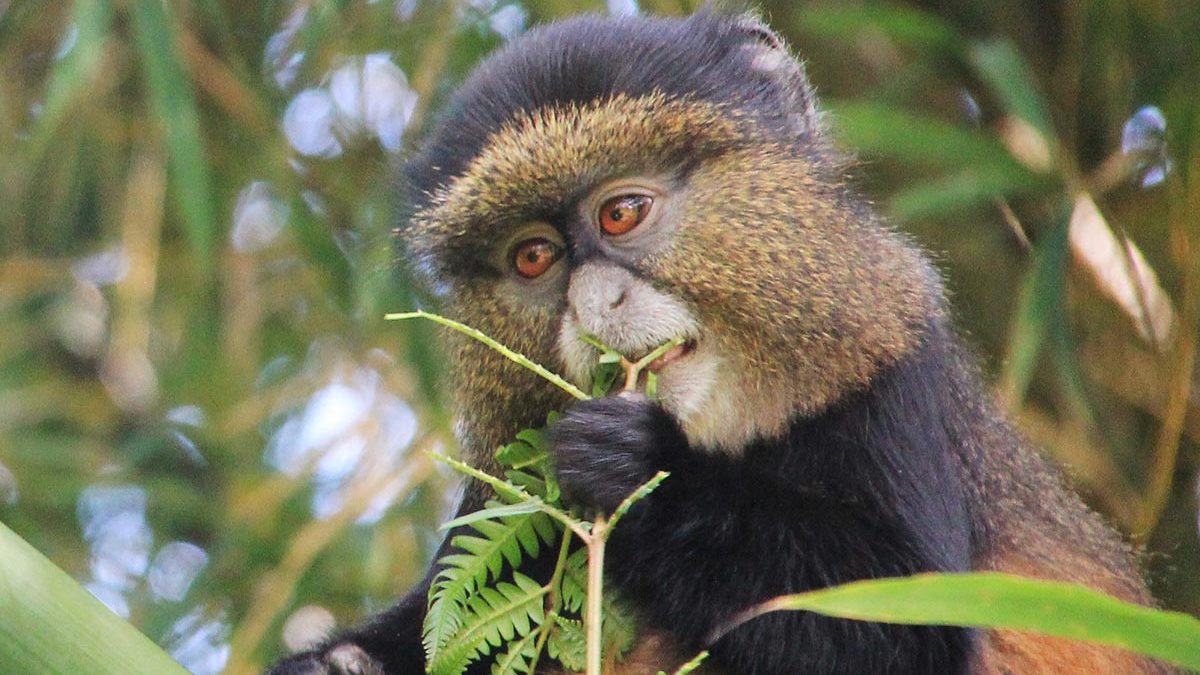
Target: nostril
column 620, row 299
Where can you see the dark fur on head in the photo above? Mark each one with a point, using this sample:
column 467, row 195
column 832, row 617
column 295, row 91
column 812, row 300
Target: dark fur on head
column 706, row 57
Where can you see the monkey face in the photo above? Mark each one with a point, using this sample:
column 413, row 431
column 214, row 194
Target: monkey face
column 642, row 220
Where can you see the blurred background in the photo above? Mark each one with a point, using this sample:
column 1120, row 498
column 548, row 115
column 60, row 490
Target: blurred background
column 206, row 421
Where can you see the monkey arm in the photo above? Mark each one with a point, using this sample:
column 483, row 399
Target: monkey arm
column 859, row 493
column 722, row 538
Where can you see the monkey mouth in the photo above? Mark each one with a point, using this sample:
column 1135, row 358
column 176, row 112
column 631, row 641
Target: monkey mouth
column 676, row 353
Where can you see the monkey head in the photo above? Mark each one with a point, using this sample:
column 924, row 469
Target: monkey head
column 661, row 180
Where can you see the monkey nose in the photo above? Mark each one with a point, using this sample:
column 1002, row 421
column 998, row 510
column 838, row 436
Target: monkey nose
column 596, row 289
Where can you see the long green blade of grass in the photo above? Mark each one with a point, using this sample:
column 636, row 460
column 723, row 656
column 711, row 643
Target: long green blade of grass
column 1039, row 306
column 174, row 104
column 1006, row 72
column 948, row 196
column 992, row 600
column 915, row 29
column 75, row 74
column 52, row 625
column 887, row 131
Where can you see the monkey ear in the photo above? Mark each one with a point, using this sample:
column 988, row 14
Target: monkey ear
column 769, row 55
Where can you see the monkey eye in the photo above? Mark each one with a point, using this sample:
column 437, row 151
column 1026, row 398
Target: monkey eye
column 532, row 257
column 622, row 213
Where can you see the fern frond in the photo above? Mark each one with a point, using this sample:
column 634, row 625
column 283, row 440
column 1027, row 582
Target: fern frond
column 534, row 485
column 518, row 659
column 568, row 644
column 574, row 581
column 619, row 628
column 502, row 540
column 492, row 511
column 496, row 614
column 521, row 455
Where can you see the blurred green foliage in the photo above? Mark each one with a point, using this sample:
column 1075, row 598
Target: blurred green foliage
column 204, row 418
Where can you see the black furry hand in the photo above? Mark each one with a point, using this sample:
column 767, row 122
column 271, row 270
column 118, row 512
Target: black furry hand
column 606, row 448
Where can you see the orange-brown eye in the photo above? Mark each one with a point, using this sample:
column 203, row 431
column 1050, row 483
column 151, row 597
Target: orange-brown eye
column 624, row 212
column 533, row 257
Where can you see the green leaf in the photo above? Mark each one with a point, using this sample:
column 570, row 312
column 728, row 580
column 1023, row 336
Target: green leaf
column 520, row 455
column 527, row 481
column 887, row 131
column 75, row 74
column 910, row 28
column 993, row 600
column 484, row 557
column 493, row 512
column 619, row 629
column 568, row 644
column 607, row 372
column 496, row 615
column 536, row 438
column 518, row 658
column 1039, row 304
column 172, row 101
column 1010, row 78
column 52, row 625
column 950, row 195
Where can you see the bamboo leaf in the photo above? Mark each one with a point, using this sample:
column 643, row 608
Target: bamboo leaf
column 52, row 625
column 993, row 600
column 951, row 194
column 319, row 246
column 75, row 73
column 907, row 27
column 175, row 107
column 1039, row 304
column 887, row 131
column 1010, row 78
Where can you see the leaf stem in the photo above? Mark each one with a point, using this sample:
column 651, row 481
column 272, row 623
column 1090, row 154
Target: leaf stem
column 595, row 590
column 476, row 334
column 553, row 601
column 645, row 489
column 601, row 526
column 515, row 493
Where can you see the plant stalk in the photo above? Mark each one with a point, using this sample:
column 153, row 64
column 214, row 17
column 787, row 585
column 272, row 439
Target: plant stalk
column 595, row 590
